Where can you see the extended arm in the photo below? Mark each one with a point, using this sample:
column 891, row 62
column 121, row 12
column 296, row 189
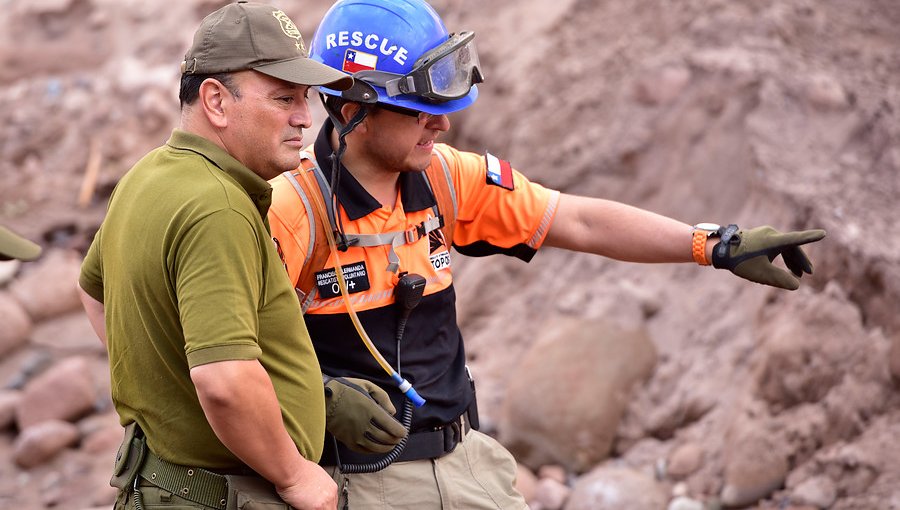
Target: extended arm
column 628, row 233
column 618, row 231
column 240, row 404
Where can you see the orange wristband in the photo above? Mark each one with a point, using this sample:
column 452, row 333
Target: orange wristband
column 698, row 247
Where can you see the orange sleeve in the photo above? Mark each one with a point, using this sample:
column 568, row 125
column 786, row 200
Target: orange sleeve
column 290, row 226
column 494, row 219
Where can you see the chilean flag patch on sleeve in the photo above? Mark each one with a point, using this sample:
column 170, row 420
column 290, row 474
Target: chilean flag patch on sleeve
column 499, row 173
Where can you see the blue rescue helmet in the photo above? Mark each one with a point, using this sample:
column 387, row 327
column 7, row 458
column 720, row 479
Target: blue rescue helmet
column 399, row 53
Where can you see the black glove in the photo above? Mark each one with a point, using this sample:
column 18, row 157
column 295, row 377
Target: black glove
column 359, row 414
column 749, row 254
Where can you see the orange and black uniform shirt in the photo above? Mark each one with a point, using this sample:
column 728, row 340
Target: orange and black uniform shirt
column 499, row 211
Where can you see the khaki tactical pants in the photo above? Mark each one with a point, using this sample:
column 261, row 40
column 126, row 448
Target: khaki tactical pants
column 478, row 474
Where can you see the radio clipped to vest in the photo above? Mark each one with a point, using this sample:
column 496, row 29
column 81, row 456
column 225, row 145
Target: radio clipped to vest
column 320, row 204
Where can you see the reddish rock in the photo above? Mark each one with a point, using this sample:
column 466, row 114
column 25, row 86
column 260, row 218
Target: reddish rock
column 685, row 460
column 613, row 488
column 16, row 324
column 64, row 392
column 805, row 355
column 553, row 472
column 755, row 462
column 685, row 503
column 826, row 92
column 526, row 482
column 39, row 443
column 551, row 494
column 103, row 441
column 71, row 331
column 50, row 289
column 565, row 403
column 819, row 492
column 9, row 401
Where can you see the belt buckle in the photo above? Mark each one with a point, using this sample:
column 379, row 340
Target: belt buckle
column 411, row 236
column 452, row 435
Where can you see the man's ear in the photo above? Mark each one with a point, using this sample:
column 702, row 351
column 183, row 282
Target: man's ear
column 213, row 99
column 348, row 110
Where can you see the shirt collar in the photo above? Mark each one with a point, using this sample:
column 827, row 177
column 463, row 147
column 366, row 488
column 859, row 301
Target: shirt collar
column 259, row 191
column 415, row 194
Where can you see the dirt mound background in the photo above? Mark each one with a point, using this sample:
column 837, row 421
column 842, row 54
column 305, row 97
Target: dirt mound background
column 767, row 112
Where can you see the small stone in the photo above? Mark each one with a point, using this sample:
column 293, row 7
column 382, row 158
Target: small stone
column 550, row 494
column 818, row 491
column 553, row 472
column 826, row 93
column 685, row 503
column 685, row 460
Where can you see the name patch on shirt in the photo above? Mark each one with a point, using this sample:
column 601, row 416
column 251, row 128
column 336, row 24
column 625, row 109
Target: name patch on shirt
column 499, row 172
column 356, row 276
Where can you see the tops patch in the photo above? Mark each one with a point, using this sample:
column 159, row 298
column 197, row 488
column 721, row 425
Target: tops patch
column 355, row 276
column 439, row 252
column 499, row 172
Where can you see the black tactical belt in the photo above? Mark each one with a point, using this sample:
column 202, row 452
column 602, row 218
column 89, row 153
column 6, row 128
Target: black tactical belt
column 422, row 444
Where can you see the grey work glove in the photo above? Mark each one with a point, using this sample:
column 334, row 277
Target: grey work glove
column 749, row 254
column 359, row 414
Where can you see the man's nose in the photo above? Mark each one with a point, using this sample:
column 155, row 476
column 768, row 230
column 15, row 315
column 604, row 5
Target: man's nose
column 301, row 116
column 438, row 122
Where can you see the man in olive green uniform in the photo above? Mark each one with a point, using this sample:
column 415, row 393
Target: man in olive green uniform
column 208, row 353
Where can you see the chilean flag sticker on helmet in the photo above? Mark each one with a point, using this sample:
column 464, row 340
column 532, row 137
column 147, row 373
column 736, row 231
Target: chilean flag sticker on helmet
column 499, row 172
column 355, row 61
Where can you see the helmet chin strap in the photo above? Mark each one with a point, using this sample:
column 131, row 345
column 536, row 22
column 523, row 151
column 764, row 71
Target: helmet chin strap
column 343, row 130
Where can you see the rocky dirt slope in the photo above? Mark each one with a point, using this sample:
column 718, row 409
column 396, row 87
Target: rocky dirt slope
column 705, row 390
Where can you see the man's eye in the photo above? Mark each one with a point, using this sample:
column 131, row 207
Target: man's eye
column 286, row 99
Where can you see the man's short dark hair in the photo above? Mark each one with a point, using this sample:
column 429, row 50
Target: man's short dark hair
column 335, row 103
column 190, row 86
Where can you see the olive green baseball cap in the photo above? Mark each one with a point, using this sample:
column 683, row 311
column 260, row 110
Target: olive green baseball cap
column 13, row 246
column 247, row 35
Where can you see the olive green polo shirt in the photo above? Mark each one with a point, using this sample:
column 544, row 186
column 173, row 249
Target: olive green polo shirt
column 188, row 274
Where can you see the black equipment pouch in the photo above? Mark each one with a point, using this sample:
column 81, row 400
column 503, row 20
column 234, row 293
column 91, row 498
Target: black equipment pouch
column 473, row 407
column 252, row 493
column 129, row 457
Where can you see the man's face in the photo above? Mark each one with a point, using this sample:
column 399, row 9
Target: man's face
column 398, row 142
column 265, row 124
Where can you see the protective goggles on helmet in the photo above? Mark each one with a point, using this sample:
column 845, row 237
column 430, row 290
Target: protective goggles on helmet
column 444, row 73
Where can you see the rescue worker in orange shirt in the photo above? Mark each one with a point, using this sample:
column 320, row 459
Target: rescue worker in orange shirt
column 393, row 201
